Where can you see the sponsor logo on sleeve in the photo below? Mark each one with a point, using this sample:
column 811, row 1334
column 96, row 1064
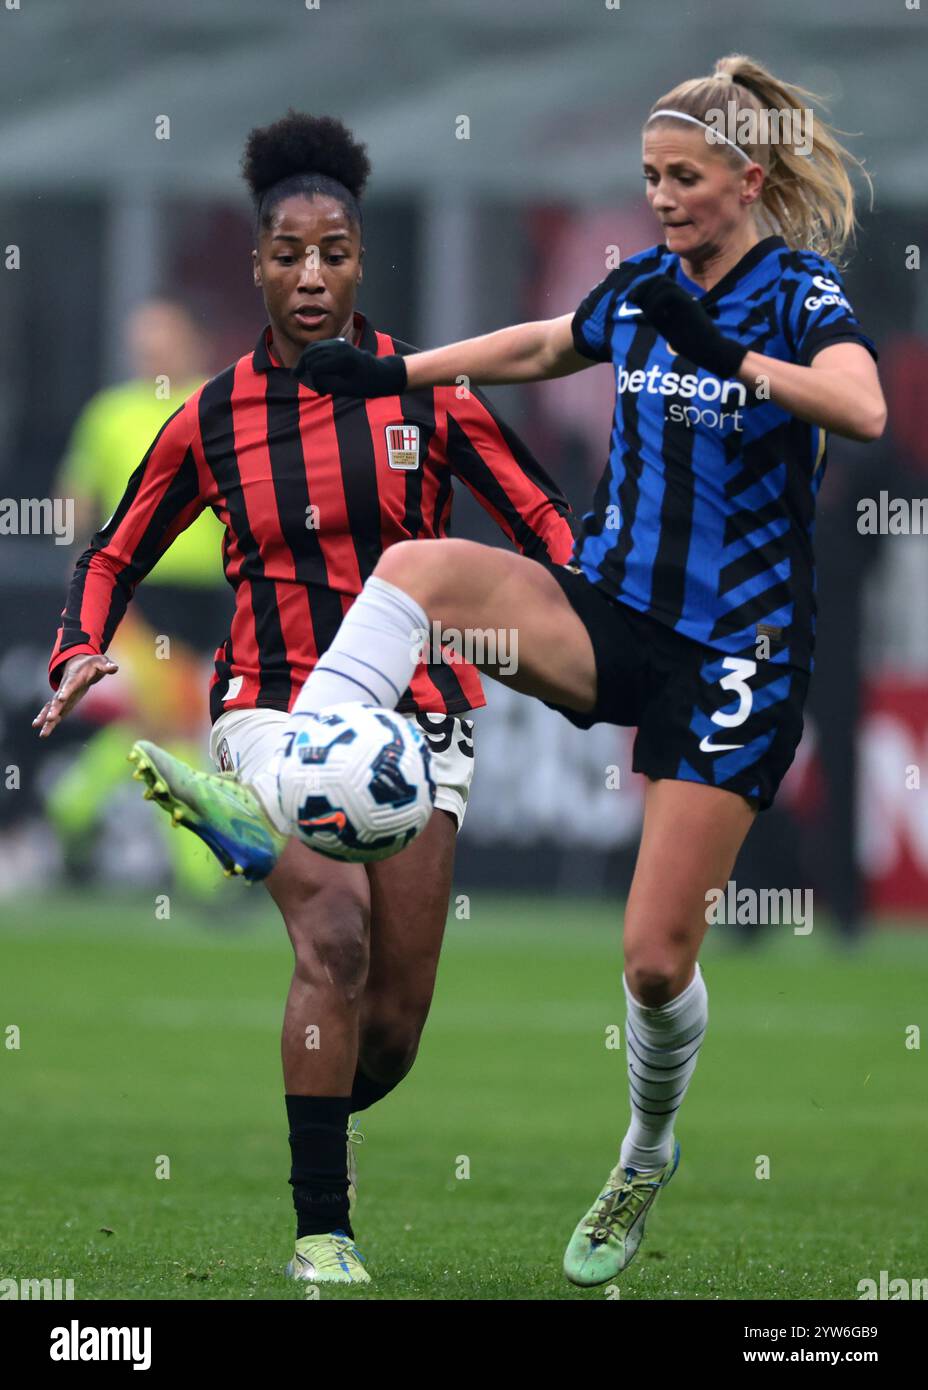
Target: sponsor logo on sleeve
column 831, row 294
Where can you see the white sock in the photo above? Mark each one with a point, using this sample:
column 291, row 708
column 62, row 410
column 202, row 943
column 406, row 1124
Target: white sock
column 371, row 660
column 264, row 786
column 374, row 654
column 663, row 1047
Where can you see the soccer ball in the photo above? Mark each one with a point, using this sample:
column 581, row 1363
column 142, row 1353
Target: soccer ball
column 355, row 782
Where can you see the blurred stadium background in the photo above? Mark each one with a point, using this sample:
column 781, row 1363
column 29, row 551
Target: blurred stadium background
column 462, row 235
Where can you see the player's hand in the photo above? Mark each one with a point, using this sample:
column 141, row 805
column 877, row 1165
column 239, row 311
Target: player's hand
column 336, row 368
column 79, row 674
column 684, row 323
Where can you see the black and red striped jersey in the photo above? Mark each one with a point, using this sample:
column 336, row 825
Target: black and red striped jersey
column 311, row 489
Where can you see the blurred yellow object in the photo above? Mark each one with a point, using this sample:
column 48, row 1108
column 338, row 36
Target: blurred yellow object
column 77, row 802
column 168, row 684
column 112, row 435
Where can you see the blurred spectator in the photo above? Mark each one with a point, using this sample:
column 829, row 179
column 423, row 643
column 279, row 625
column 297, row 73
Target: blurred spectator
column 162, row 687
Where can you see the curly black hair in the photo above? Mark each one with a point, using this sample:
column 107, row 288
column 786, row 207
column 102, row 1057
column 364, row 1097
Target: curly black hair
column 304, row 154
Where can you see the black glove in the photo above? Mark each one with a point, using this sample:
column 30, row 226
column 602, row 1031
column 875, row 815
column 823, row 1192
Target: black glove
column 335, row 368
column 683, row 321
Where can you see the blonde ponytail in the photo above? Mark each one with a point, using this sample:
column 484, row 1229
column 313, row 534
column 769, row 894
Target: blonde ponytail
column 807, row 197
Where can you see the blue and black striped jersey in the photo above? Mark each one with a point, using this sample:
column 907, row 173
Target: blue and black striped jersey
column 703, row 517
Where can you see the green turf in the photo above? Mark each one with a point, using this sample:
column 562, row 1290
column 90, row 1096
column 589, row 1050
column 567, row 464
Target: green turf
column 142, row 1038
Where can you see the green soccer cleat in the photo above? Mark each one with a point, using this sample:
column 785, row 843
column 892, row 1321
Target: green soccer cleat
column 226, row 815
column 328, row 1259
column 607, row 1239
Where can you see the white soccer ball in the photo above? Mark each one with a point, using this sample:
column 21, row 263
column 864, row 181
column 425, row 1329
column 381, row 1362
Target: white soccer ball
column 355, row 782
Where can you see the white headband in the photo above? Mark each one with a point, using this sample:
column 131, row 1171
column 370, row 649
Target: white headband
column 682, row 116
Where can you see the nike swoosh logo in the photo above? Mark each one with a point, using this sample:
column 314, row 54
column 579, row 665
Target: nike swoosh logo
column 627, row 311
column 706, row 747
column 336, row 821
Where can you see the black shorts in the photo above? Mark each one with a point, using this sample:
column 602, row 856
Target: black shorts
column 729, row 721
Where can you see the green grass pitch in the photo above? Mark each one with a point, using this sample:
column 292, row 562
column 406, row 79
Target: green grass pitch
column 141, row 1038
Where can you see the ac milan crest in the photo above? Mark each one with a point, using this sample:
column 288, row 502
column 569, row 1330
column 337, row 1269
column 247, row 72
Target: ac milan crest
column 403, row 446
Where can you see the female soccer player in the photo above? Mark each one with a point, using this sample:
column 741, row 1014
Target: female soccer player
column 688, row 610
column 311, row 492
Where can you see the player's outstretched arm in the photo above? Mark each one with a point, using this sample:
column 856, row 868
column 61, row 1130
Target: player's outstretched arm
column 525, row 352
column 80, row 673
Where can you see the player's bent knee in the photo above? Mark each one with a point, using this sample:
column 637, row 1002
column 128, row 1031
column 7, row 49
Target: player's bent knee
column 333, row 956
column 655, row 979
column 329, row 934
column 431, row 567
column 406, row 558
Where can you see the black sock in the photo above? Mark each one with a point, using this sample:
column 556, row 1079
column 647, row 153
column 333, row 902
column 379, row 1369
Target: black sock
column 364, row 1091
column 319, row 1171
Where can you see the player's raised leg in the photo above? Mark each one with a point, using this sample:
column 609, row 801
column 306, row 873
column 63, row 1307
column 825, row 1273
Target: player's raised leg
column 692, row 834
column 457, row 584
column 465, row 587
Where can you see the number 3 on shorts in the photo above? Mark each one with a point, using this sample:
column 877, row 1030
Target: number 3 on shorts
column 740, row 671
